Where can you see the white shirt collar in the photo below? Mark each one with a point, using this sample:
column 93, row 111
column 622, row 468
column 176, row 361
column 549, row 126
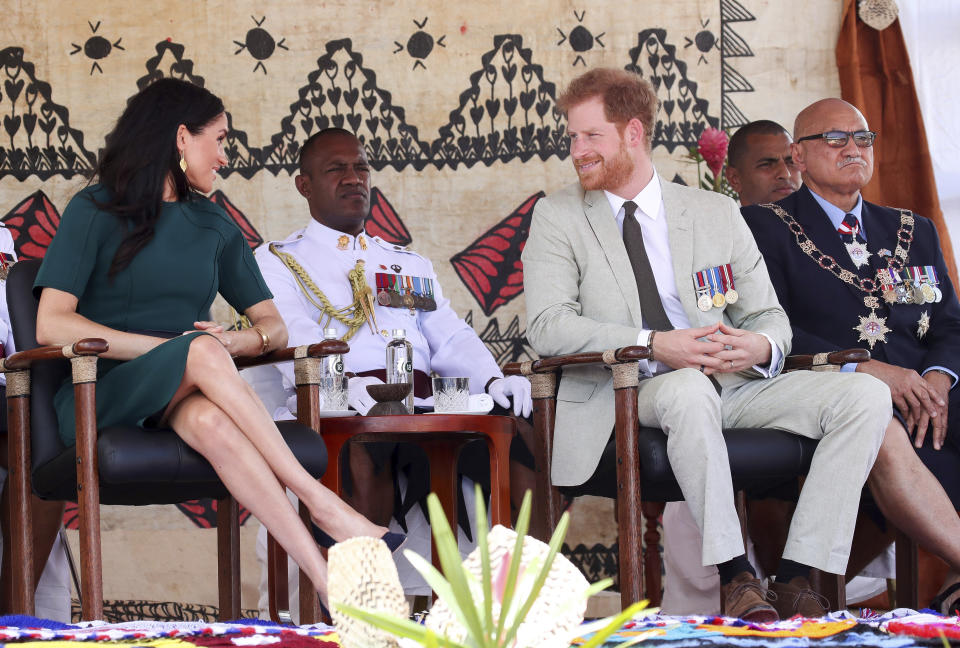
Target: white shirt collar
column 648, row 200
column 329, row 237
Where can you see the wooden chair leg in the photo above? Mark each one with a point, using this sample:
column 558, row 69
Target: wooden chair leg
column 88, row 500
column 278, row 593
column 547, row 513
column 18, row 527
column 309, row 602
column 652, row 565
column 228, row 558
column 628, row 497
column 908, row 580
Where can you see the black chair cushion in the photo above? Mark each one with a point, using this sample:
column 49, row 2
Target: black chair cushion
column 762, row 461
column 136, row 466
column 140, row 466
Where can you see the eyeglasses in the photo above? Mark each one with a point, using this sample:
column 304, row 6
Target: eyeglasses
column 838, row 139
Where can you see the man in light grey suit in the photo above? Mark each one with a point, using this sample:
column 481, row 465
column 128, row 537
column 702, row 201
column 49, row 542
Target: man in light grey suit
column 623, row 258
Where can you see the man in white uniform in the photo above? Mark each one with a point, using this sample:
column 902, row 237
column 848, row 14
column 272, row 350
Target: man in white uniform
column 320, row 276
column 52, row 599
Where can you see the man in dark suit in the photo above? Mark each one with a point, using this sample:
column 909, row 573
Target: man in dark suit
column 850, row 273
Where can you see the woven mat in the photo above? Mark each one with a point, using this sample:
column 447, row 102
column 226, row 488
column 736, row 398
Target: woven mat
column 896, row 629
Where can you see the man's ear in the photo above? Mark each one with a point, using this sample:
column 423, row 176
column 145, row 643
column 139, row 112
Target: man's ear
column 303, row 185
column 634, row 132
column 796, row 152
column 733, row 177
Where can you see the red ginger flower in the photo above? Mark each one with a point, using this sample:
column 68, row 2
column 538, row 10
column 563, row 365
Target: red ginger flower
column 712, row 145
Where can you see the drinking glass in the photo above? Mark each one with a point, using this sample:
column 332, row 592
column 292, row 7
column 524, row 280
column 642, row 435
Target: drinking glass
column 451, row 394
column 333, row 393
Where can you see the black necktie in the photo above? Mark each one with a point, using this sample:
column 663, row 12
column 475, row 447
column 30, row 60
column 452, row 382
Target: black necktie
column 651, row 308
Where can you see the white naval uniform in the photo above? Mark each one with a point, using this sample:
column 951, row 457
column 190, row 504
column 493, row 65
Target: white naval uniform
column 442, row 342
column 52, row 599
column 6, row 333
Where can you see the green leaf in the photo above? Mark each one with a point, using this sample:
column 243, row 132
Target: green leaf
column 437, row 583
column 456, row 574
column 601, row 636
column 523, row 521
column 398, row 626
column 486, row 576
column 556, row 540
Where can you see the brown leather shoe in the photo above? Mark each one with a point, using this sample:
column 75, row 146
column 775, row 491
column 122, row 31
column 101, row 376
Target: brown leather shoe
column 797, row 597
column 745, row 598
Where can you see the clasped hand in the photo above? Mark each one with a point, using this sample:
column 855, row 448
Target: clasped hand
column 713, row 349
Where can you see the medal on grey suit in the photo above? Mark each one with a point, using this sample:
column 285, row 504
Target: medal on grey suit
column 704, row 302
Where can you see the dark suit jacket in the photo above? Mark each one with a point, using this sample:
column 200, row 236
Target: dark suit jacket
column 823, row 310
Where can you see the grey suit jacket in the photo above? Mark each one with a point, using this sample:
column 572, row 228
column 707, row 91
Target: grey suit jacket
column 581, row 295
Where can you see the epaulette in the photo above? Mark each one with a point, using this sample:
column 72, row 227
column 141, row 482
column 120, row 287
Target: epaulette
column 386, row 245
column 295, row 236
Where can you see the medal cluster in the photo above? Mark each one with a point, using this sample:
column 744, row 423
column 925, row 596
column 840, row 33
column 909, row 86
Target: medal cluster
column 888, row 282
column 910, row 285
column 404, row 291
column 715, row 287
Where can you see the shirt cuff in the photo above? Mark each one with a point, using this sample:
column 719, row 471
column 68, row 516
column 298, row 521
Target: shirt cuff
column 775, row 356
column 647, row 367
column 849, row 366
column 944, row 370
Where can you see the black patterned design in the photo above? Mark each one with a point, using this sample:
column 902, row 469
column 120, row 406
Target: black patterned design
column 118, row 611
column 732, row 45
column 684, row 115
column 37, row 137
column 509, row 345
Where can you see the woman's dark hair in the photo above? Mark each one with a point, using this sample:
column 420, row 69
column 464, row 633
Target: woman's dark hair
column 141, row 151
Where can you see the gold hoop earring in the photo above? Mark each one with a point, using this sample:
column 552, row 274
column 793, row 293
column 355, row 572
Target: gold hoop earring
column 183, row 162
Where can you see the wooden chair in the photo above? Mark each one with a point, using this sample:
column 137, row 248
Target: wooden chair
column 643, row 480
column 121, row 464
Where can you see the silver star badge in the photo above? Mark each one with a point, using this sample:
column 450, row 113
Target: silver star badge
column 858, row 253
column 872, row 329
column 923, row 325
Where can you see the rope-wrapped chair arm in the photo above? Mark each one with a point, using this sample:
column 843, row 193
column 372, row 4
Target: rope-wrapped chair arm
column 832, row 361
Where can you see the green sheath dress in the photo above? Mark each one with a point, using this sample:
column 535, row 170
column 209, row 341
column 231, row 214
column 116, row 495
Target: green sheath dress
column 196, row 252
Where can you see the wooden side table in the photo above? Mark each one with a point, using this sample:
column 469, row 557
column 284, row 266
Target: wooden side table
column 441, row 436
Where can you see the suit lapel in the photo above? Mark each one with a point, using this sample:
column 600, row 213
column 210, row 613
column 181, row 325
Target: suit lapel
column 596, row 207
column 680, row 232
column 879, row 235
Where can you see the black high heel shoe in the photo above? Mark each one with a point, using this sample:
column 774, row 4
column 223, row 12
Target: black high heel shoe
column 394, row 540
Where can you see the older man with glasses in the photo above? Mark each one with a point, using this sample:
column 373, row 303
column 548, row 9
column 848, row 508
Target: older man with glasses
column 850, row 273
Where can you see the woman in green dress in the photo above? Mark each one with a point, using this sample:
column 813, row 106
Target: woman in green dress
column 137, row 260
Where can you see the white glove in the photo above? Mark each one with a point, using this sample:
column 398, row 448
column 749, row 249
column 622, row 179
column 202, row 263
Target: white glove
column 357, row 396
column 516, row 386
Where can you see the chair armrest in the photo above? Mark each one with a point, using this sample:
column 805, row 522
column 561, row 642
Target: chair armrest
column 825, row 361
column 24, row 359
column 318, row 350
column 552, row 363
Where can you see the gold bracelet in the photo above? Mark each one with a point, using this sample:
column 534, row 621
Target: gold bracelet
column 264, row 339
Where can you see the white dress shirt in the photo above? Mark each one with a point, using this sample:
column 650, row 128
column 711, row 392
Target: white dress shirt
column 652, row 217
